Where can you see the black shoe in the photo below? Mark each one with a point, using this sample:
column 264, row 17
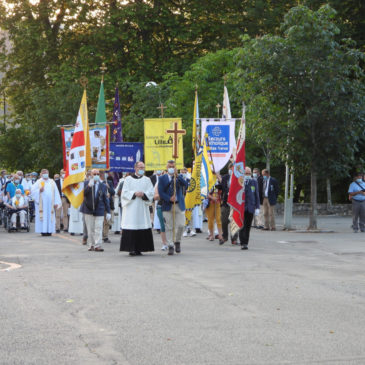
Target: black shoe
column 216, row 236
column 65, row 230
column 58, row 231
column 132, row 253
column 117, row 232
column 198, row 230
column 171, row 250
column 138, row 253
column 159, row 231
column 44, row 234
column 244, row 247
column 221, row 242
column 177, row 247
column 72, row 234
column 107, row 240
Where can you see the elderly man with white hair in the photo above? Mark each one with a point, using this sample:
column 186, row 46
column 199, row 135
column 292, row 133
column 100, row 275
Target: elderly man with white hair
column 18, row 205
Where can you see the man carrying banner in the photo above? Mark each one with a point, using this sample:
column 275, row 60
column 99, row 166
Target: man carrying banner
column 170, row 190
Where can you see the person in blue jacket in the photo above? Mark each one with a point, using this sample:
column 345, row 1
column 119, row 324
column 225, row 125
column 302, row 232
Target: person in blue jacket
column 96, row 202
column 168, row 200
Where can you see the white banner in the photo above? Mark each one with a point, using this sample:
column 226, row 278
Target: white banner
column 222, row 140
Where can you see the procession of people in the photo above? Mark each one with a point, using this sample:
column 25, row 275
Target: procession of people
column 135, row 206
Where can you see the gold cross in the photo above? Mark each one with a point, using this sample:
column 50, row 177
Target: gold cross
column 218, row 106
column 84, row 81
column 225, row 78
column 103, row 68
column 176, row 132
column 161, row 107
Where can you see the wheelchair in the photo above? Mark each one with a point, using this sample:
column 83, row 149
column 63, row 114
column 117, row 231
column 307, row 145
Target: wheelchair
column 9, row 226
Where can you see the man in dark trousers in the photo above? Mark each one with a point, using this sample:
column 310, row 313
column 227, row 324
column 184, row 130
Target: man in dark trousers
column 270, row 192
column 96, row 202
column 225, row 208
column 252, row 207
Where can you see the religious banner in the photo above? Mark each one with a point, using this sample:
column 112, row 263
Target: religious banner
column 158, row 145
column 67, row 135
column 124, row 155
column 221, row 139
column 99, row 145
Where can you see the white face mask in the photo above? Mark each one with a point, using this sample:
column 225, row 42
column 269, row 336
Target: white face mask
column 171, row 170
column 18, row 196
column 45, row 176
column 63, row 176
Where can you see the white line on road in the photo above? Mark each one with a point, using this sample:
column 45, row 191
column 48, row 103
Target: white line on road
column 12, row 266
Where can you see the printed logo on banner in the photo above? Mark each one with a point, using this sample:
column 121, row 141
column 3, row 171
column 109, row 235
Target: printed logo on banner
column 218, row 138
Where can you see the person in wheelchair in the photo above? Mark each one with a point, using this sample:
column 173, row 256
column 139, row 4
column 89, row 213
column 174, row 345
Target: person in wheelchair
column 18, row 205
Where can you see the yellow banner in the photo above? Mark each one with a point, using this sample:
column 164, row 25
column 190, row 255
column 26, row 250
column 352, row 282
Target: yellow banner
column 158, row 145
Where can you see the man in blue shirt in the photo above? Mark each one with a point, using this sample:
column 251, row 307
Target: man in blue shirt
column 357, row 194
column 12, row 186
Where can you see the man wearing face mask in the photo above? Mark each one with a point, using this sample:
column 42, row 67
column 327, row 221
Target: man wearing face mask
column 270, row 194
column 47, row 200
column 62, row 213
column 96, row 202
column 166, row 185
column 18, row 205
column 12, row 186
column 137, row 196
column 357, row 194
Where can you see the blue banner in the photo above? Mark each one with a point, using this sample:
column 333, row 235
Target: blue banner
column 124, row 155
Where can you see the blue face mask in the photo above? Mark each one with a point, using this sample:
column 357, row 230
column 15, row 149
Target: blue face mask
column 171, row 170
column 17, row 182
column 158, row 172
column 185, row 176
column 265, row 177
column 254, row 175
column 96, row 178
column 141, row 172
column 45, row 176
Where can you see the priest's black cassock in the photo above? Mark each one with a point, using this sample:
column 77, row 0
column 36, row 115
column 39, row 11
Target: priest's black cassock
column 136, row 221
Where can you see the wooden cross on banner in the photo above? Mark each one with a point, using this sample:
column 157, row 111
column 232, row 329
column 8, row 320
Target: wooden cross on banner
column 176, row 131
column 161, row 107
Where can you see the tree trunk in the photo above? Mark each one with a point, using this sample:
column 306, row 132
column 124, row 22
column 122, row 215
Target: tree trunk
column 313, row 210
column 329, row 195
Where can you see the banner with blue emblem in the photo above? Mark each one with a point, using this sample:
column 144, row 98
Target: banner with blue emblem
column 221, row 139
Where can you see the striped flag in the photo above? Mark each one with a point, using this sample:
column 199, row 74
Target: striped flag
column 79, row 158
column 236, row 197
column 207, row 179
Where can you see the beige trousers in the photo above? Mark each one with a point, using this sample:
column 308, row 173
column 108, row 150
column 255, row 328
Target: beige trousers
column 62, row 211
column 269, row 214
column 179, row 224
column 94, row 227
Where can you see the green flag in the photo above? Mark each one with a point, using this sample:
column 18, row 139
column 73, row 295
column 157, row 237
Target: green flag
column 100, row 117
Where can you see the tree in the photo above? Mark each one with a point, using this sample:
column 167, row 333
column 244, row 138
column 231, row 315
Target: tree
column 320, row 83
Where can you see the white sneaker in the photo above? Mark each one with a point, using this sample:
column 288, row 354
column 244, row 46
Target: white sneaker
column 164, row 248
column 185, row 234
column 192, row 233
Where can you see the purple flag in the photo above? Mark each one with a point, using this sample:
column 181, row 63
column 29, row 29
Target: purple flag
column 116, row 135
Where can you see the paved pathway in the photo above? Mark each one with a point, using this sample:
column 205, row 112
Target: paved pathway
column 292, row 298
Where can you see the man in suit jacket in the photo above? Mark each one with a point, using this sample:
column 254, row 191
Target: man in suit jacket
column 96, row 202
column 252, row 206
column 225, row 208
column 168, row 200
column 63, row 210
column 270, row 194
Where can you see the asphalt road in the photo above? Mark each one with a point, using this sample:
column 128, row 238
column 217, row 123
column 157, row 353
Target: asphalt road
column 292, row 298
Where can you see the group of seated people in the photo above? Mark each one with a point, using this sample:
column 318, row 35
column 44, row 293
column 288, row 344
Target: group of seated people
column 17, row 205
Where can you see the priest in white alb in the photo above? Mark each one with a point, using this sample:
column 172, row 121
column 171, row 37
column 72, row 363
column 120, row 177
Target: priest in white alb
column 136, row 197
column 47, row 199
